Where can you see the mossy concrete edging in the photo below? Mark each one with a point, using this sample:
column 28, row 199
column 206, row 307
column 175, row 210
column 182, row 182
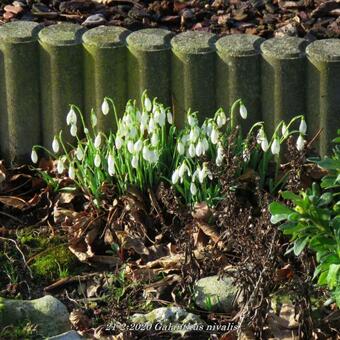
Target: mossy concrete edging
column 43, row 70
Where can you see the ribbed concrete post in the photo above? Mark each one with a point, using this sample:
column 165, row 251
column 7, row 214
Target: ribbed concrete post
column 193, row 74
column 149, row 60
column 19, row 90
column 283, row 79
column 61, row 69
column 105, row 71
column 323, row 90
column 239, row 75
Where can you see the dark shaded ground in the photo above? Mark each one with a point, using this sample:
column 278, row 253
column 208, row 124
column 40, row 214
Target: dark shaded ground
column 313, row 19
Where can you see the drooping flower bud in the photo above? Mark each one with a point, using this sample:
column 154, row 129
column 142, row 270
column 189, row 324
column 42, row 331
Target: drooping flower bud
column 73, row 130
column 134, row 161
column 97, row 141
column 303, row 126
column 138, row 146
column 71, row 117
column 300, row 143
column 180, row 148
column 243, row 111
column 105, row 107
column 60, row 166
column 34, row 156
column 97, row 160
column 111, row 165
column 175, row 177
column 193, row 189
column 147, row 104
column 118, row 142
column 55, row 145
column 275, row 147
column 264, row 144
column 284, row 130
column 71, row 172
column 79, row 153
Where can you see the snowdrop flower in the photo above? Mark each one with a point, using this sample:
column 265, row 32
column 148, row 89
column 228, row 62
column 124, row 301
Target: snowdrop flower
column 209, row 129
column 199, row 148
column 154, row 139
column 205, row 144
column 192, row 150
column 170, row 118
column 147, row 104
column 152, row 125
column 161, row 118
column 214, row 136
column 134, row 161
column 153, row 157
column 221, row 119
column 303, row 126
column 275, row 147
column 60, row 166
column 34, row 156
column 175, row 177
column 260, row 136
column 300, row 143
column 284, row 130
column 71, row 117
column 243, row 111
column 71, row 172
column 105, row 107
column 193, row 189
column 180, row 148
column 139, row 116
column 146, row 153
column 94, row 120
column 97, row 141
column 73, row 130
column 118, row 142
column 86, row 131
column 192, row 120
column 144, row 118
column 79, row 153
column 97, row 160
column 183, row 169
column 55, row 145
column 264, row 144
column 138, row 146
column 194, row 134
column 130, row 146
column 111, row 165
column 201, row 175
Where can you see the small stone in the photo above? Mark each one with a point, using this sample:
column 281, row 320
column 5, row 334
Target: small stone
column 94, row 20
column 48, row 313
column 216, row 294
column 8, row 15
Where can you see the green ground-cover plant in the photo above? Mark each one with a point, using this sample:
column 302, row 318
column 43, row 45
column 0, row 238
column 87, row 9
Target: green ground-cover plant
column 147, row 147
column 314, row 222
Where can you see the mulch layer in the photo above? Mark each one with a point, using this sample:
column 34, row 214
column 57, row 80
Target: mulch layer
column 311, row 19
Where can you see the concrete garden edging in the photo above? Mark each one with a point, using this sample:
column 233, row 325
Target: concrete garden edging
column 43, row 70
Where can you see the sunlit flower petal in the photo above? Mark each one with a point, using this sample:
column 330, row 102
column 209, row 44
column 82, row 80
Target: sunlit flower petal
column 55, row 145
column 105, row 107
column 34, row 156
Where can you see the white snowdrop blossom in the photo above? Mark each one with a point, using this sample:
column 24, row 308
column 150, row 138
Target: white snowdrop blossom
column 284, row 130
column 180, row 148
column 154, row 139
column 221, row 119
column 264, row 144
column 205, row 144
column 192, row 150
column 147, row 104
column 133, row 132
column 71, row 117
column 79, row 153
column 139, row 116
column 199, row 148
column 98, row 141
column 193, row 189
column 55, row 145
column 130, row 146
column 146, row 153
column 71, row 172
column 73, row 130
column 214, row 136
column 138, row 146
column 161, row 119
column 97, row 160
column 183, row 169
column 60, row 166
column 105, row 107
column 170, row 118
column 153, row 157
column 175, row 177
column 243, row 111
column 300, row 143
column 144, row 118
column 152, row 125
column 275, row 147
column 86, row 131
column 194, row 134
column 111, row 165
column 134, row 161
column 192, row 120
column 118, row 142
column 219, row 157
column 303, row 127
column 260, row 136
column 34, row 156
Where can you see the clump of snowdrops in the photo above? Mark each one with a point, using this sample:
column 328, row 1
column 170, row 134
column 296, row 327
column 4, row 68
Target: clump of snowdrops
column 146, row 148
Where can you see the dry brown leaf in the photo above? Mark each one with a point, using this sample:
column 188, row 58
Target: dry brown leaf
column 79, row 320
column 14, row 202
column 209, row 230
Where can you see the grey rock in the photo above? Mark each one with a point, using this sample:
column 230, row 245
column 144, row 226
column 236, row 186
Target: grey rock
column 216, row 294
column 94, row 20
column 71, row 335
column 177, row 319
column 48, row 313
